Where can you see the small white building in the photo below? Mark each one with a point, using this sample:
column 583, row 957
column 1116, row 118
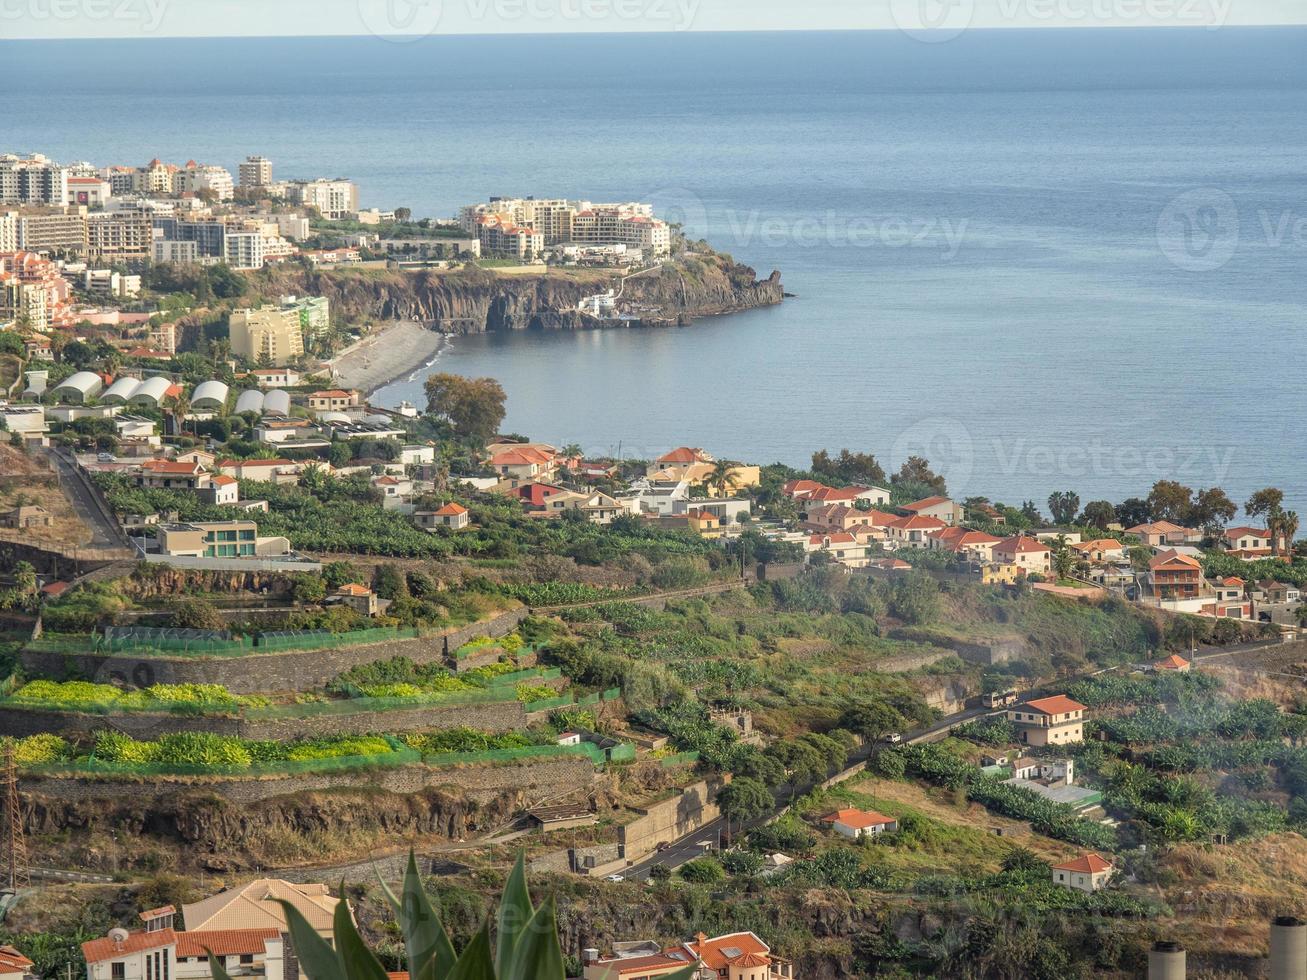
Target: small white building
column 1087, row 873
column 856, row 824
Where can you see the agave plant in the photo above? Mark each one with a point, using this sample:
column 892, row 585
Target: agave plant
column 525, row 945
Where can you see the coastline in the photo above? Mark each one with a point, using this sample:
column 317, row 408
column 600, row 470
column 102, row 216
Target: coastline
column 387, row 355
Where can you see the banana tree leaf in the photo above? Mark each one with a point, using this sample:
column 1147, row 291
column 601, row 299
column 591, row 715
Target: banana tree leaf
column 430, row 953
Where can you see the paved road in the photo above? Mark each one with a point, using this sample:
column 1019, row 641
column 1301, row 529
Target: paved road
column 689, row 847
column 89, row 505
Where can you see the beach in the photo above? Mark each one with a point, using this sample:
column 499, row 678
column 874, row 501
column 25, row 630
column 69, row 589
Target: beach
column 390, row 353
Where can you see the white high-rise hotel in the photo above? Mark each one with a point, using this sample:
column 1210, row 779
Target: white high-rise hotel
column 561, row 222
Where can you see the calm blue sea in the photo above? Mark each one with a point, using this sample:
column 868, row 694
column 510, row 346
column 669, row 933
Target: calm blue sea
column 1052, row 260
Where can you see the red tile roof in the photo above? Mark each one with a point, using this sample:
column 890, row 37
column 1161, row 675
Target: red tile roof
column 682, row 455
column 223, row 481
column 451, row 510
column 99, row 950
column 1174, row 557
column 353, row 588
column 641, row 965
column 12, row 961
column 1022, row 545
column 56, row 588
column 225, row 942
column 917, row 522
column 1235, row 533
column 1090, row 864
column 167, row 466
column 1059, row 704
column 713, row 951
column 1173, row 662
column 158, row 913
column 926, row 503
column 858, row 819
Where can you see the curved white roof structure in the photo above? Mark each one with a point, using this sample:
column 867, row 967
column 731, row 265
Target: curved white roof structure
column 276, row 402
column 152, row 392
column 250, row 400
column 79, row 387
column 332, row 417
column 121, row 391
column 210, row 395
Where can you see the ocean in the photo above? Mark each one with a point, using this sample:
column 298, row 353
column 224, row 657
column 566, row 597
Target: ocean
column 1048, row 260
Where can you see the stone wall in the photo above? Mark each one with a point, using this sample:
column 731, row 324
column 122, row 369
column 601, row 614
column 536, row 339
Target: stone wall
column 670, row 819
column 505, row 716
column 291, row 670
column 535, row 779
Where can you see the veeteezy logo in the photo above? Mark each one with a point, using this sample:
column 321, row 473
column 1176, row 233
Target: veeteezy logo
column 678, row 15
column 935, row 21
column 148, row 14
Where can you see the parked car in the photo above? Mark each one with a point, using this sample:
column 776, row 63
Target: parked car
column 615, row 878
column 893, row 738
column 106, row 458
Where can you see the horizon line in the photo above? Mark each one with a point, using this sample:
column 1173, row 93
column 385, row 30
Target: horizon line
column 413, row 38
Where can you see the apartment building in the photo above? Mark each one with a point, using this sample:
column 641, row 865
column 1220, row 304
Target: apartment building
column 32, row 180
column 120, row 236
column 33, row 290
column 314, row 313
column 8, row 231
column 209, row 237
column 244, row 249
column 255, row 172
column 200, row 179
column 500, row 237
column 93, row 192
column 558, row 222
column 58, row 231
column 333, row 199
column 218, row 539
column 272, row 334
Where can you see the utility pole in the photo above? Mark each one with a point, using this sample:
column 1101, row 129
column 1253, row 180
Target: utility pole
column 18, row 876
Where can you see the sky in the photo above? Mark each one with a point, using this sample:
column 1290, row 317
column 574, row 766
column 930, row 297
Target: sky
column 926, row 20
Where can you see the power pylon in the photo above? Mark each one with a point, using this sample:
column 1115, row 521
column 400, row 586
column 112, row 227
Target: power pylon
column 17, row 873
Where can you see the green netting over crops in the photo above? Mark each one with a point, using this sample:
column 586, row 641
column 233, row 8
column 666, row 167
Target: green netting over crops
column 401, row 756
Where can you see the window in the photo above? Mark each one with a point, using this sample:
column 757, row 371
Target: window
column 247, row 958
column 118, row 970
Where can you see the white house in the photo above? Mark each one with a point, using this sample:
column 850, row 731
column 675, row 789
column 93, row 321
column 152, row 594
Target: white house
column 1087, row 873
column 856, row 824
column 940, row 508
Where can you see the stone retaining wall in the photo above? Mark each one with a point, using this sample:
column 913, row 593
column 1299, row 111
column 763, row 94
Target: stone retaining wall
column 670, row 820
column 291, row 670
column 505, row 716
column 536, row 779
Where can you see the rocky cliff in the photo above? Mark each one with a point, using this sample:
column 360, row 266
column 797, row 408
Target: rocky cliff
column 477, row 301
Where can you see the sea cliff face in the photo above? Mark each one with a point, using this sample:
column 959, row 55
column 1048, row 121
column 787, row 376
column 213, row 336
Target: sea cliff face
column 478, row 301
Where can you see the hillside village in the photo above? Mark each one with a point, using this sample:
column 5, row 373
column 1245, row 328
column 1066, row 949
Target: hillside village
column 262, row 634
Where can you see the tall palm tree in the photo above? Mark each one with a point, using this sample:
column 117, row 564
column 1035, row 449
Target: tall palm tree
column 722, row 477
column 1288, row 531
column 181, row 407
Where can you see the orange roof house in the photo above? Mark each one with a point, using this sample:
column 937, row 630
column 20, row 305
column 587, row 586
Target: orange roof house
column 1057, row 705
column 1175, row 663
column 1087, row 864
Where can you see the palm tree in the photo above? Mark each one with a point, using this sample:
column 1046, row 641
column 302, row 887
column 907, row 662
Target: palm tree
column 181, row 407
column 722, row 478
column 1288, row 527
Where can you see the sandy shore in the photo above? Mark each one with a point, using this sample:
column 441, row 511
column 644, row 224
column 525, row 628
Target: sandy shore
column 395, row 352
